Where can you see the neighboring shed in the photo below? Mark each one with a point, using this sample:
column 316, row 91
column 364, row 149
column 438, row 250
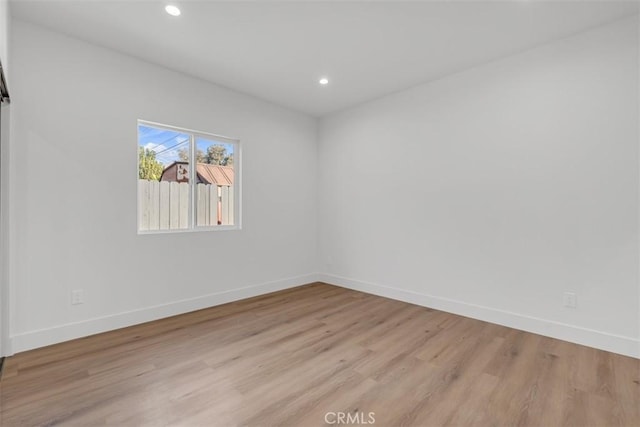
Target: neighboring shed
column 206, row 173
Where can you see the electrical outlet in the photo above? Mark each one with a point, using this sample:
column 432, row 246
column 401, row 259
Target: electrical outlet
column 569, row 300
column 77, row 297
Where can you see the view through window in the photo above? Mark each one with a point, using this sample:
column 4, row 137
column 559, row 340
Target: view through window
column 168, row 199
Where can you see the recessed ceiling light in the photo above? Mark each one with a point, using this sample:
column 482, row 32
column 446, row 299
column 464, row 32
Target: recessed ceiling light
column 324, row 81
column 172, row 10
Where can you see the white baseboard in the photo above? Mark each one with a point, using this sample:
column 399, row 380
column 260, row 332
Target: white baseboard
column 627, row 346
column 69, row 331
column 615, row 343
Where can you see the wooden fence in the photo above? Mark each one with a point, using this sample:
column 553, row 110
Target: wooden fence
column 164, row 205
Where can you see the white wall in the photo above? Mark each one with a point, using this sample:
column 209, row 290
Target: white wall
column 74, row 149
column 4, row 167
column 510, row 183
column 4, row 32
column 5, row 230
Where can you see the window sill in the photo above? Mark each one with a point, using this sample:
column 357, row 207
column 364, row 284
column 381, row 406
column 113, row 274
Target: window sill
column 192, row 230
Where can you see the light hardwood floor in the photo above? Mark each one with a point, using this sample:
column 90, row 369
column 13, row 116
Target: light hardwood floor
column 291, row 357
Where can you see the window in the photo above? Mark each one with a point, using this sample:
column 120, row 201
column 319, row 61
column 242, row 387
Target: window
column 168, row 199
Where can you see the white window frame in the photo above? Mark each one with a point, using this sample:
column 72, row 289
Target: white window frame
column 237, row 179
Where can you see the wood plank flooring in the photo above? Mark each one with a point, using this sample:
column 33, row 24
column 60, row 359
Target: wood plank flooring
column 301, row 357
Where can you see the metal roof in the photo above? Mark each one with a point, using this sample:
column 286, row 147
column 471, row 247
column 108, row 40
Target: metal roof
column 215, row 174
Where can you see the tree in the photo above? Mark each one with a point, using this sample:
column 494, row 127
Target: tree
column 149, row 168
column 215, row 155
column 183, row 153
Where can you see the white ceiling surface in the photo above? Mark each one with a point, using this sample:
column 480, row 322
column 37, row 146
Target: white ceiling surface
column 278, row 50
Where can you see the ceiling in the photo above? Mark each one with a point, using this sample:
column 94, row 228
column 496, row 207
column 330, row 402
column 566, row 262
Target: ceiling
column 277, row 51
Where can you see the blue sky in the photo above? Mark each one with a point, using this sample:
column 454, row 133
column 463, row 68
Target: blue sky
column 167, row 143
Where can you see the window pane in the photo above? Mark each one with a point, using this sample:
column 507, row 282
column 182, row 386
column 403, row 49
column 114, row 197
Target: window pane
column 163, row 179
column 214, row 190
